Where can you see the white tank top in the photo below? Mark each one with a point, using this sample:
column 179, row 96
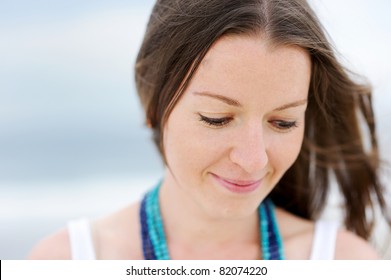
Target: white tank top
column 82, row 248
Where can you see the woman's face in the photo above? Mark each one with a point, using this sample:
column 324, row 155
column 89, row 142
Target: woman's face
column 239, row 125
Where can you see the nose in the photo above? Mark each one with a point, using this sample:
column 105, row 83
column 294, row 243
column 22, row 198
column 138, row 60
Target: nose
column 249, row 149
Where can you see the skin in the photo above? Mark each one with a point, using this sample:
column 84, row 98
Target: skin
column 241, row 120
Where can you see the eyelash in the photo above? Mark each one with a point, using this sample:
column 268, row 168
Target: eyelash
column 215, row 122
column 283, row 126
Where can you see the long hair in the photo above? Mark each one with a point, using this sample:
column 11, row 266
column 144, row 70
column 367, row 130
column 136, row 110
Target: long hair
column 179, row 34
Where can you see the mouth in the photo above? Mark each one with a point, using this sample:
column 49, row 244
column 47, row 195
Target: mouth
column 237, row 186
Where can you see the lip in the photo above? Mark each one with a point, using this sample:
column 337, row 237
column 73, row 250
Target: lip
column 238, row 186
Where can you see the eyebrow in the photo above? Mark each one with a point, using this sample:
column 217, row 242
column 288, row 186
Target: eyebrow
column 291, row 105
column 236, row 103
column 220, row 97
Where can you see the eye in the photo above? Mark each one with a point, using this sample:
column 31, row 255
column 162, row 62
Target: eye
column 215, row 122
column 284, row 126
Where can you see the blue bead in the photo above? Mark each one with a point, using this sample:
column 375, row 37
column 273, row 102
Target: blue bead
column 154, row 239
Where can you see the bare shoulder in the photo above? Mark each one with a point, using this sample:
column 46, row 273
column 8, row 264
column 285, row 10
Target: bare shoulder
column 297, row 234
column 53, row 247
column 117, row 236
column 352, row 247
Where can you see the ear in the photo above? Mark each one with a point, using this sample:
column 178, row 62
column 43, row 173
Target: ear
column 148, row 123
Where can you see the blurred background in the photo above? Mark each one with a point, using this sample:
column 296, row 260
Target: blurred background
column 72, row 140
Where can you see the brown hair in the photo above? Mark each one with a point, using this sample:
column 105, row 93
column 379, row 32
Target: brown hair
column 180, row 33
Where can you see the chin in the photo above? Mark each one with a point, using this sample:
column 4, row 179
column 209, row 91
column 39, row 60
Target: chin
column 232, row 210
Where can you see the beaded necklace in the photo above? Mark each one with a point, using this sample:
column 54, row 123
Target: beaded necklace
column 154, row 239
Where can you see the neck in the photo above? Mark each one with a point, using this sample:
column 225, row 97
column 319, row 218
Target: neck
column 187, row 225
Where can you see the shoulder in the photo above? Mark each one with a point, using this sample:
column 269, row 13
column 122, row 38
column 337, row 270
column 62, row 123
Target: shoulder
column 117, row 236
column 297, row 235
column 53, row 247
column 352, row 247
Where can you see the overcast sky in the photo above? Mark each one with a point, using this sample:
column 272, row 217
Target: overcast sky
column 68, row 107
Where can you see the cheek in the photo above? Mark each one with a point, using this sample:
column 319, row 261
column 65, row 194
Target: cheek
column 187, row 144
column 284, row 151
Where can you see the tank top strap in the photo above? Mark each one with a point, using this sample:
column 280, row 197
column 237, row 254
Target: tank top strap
column 324, row 241
column 80, row 236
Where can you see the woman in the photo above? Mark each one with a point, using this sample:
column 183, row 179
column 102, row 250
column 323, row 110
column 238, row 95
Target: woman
column 253, row 116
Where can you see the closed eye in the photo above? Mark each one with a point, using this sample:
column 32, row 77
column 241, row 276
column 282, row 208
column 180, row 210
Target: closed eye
column 215, row 122
column 284, row 126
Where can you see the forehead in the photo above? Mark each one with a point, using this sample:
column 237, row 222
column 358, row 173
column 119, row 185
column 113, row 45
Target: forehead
column 254, row 48
column 252, row 64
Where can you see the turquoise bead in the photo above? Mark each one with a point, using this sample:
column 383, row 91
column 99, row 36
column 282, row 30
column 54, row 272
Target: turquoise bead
column 270, row 238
